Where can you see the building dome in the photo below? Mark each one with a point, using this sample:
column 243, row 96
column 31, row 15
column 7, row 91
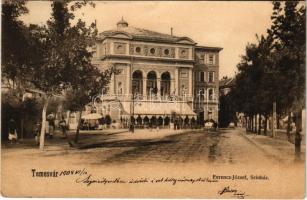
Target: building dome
column 122, row 23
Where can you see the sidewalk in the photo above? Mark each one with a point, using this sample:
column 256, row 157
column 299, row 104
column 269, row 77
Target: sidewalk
column 280, row 149
column 59, row 141
column 281, row 134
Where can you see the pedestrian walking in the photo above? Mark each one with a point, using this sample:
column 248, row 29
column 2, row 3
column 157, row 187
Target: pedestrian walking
column 47, row 128
column 51, row 127
column 292, row 128
column 37, row 130
column 12, row 131
column 63, row 127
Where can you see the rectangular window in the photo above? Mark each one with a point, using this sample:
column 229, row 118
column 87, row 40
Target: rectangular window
column 202, row 59
column 211, row 59
column 211, row 77
column 202, row 93
column 202, row 77
column 210, row 94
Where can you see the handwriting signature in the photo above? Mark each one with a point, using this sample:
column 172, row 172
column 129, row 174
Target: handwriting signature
column 89, row 180
column 234, row 192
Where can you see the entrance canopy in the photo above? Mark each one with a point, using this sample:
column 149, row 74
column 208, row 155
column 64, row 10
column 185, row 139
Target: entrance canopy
column 147, row 108
column 92, row 116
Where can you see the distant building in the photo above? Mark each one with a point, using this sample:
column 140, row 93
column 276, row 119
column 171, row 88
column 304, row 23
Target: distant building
column 225, row 85
column 160, row 74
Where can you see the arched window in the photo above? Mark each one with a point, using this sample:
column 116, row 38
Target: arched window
column 137, row 82
column 152, row 83
column 165, row 84
column 146, row 120
column 201, row 94
column 210, row 94
column 139, row 120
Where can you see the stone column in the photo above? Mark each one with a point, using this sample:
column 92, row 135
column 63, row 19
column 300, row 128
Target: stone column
column 172, row 86
column 128, row 79
column 190, row 82
column 158, row 86
column 112, row 84
column 144, row 87
column 176, row 81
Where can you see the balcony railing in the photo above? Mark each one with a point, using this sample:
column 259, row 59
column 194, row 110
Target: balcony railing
column 140, row 97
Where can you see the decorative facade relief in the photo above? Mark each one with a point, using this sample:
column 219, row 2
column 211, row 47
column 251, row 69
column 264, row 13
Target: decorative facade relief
column 119, row 48
column 150, row 50
column 184, row 53
column 183, row 81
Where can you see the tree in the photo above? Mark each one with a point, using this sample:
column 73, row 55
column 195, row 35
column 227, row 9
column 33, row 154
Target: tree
column 62, row 51
column 227, row 111
column 15, row 60
column 288, row 32
column 94, row 83
column 273, row 70
column 13, row 41
column 244, row 93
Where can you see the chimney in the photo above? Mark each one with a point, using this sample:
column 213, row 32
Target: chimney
column 171, row 31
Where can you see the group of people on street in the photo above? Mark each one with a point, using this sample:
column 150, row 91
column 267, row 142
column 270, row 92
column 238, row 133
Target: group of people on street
column 12, row 131
column 49, row 129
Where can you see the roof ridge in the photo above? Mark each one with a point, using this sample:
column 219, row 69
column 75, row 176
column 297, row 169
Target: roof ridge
column 141, row 33
column 155, row 32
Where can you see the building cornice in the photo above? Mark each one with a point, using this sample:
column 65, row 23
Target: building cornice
column 141, row 58
column 154, row 40
column 208, row 48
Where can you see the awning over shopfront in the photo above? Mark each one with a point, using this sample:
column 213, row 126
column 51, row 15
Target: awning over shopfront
column 92, row 116
column 148, row 108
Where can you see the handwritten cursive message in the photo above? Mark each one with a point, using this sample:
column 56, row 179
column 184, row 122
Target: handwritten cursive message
column 82, row 176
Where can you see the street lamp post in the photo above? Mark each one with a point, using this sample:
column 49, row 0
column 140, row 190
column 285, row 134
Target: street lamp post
column 183, row 99
column 180, row 122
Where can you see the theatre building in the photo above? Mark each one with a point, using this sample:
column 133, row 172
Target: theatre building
column 161, row 77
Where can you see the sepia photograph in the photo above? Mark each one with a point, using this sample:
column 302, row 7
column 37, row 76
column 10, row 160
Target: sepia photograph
column 153, row 99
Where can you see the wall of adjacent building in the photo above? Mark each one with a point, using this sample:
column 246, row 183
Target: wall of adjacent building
column 203, row 65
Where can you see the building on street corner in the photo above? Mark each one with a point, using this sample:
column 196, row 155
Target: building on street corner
column 160, row 75
column 225, row 85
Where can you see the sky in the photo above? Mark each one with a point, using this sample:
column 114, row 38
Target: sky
column 230, row 25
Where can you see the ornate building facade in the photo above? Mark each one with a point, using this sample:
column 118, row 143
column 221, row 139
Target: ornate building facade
column 160, row 75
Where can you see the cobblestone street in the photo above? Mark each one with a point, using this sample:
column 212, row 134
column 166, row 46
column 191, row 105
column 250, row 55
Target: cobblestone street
column 223, row 147
column 163, row 153
column 227, row 146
